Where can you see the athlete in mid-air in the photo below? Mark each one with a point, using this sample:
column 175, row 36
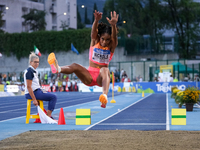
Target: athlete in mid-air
column 102, row 47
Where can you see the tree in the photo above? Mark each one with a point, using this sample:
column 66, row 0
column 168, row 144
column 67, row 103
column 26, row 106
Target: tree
column 184, row 19
column 129, row 10
column 105, row 14
column 80, row 25
column 63, row 25
column 94, row 8
column 87, row 21
column 154, row 23
column 35, row 19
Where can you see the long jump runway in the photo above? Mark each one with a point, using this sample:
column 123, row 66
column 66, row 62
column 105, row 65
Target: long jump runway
column 130, row 112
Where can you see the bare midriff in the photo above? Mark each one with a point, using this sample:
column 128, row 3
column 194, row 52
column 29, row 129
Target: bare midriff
column 94, row 65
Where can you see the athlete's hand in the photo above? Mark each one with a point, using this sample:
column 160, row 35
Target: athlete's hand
column 114, row 18
column 97, row 15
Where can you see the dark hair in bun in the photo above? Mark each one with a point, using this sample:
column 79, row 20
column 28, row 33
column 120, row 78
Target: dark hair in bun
column 104, row 28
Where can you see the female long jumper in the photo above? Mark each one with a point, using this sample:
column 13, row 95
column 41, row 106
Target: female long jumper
column 102, row 47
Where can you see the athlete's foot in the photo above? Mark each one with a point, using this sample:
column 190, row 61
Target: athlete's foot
column 103, row 100
column 53, row 63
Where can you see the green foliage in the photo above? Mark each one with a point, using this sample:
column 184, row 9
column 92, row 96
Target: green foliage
column 63, row 24
column 105, row 14
column 184, row 17
column 154, row 17
column 179, row 100
column 87, row 20
column 80, row 25
column 35, row 19
column 21, row 44
column 94, row 8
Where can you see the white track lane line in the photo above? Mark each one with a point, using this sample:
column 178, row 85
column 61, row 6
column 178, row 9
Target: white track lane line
column 47, row 104
column 10, row 104
column 167, row 113
column 54, row 110
column 132, row 124
column 116, row 113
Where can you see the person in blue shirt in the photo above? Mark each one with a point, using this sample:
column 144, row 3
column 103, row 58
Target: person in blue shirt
column 32, row 87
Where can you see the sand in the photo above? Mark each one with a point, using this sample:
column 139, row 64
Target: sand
column 103, row 140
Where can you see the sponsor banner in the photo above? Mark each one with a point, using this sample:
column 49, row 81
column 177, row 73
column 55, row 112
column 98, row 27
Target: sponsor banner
column 12, row 88
column 85, row 88
column 160, row 87
column 1, row 88
column 116, row 87
column 198, row 84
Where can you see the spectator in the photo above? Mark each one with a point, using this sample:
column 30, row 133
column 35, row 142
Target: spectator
column 117, row 73
column 64, row 77
column 140, row 79
column 67, row 78
column 124, row 75
column 155, row 79
column 196, row 78
column 122, row 79
column 126, row 79
column 121, row 73
column 171, row 78
column 64, row 85
column 21, row 78
column 75, row 87
column 60, row 87
column 159, row 79
column 14, row 78
column 4, row 77
column 135, row 79
column 32, row 86
column 116, row 79
column 185, row 79
column 175, row 79
column 7, row 82
column 56, row 84
column 51, row 85
column 46, row 78
column 72, row 84
column 9, row 77
column 69, row 85
column 49, row 77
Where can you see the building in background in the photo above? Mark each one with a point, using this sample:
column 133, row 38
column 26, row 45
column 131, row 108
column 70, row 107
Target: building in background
column 58, row 13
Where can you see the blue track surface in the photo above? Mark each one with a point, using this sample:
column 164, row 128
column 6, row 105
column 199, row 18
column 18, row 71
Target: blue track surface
column 15, row 106
column 130, row 112
column 148, row 114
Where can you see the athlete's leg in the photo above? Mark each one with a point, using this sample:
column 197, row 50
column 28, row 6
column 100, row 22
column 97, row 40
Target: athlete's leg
column 81, row 72
column 104, row 80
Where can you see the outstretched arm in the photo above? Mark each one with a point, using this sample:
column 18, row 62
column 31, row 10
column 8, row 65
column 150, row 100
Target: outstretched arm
column 113, row 22
column 94, row 32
